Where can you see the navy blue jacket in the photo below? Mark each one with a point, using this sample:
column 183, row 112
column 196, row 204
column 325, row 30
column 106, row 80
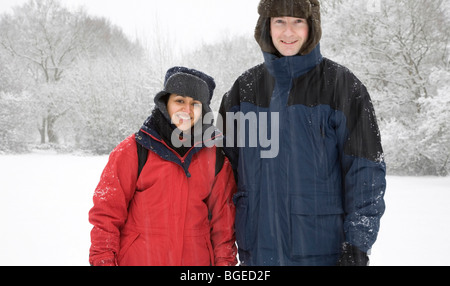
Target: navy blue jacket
column 326, row 184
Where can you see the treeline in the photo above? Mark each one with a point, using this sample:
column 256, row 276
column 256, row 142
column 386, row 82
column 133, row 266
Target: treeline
column 67, row 80
column 73, row 82
column 400, row 49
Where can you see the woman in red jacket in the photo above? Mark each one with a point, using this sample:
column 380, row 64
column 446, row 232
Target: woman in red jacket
column 179, row 209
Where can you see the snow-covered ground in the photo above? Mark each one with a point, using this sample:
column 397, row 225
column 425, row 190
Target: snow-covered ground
column 45, row 199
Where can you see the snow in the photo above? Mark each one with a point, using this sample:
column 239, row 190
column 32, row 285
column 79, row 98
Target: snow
column 45, row 199
column 415, row 230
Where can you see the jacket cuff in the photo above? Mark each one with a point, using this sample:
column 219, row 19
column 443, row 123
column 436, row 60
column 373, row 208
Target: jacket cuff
column 105, row 261
column 226, row 263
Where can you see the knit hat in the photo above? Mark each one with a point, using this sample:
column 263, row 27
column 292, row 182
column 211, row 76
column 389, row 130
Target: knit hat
column 186, row 82
column 306, row 9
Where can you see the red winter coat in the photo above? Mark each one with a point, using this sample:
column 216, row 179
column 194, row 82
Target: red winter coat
column 166, row 217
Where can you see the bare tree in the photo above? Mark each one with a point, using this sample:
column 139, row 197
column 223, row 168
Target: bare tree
column 46, row 37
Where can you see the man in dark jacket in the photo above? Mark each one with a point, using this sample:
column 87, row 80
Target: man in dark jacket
column 318, row 199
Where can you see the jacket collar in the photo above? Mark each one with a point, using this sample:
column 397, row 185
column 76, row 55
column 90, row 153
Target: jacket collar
column 150, row 139
column 294, row 66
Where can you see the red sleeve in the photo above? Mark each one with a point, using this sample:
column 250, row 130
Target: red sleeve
column 220, row 204
column 111, row 199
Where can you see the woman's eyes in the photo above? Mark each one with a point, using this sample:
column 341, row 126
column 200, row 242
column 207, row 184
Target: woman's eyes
column 182, row 101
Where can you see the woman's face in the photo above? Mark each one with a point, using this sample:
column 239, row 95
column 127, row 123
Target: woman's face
column 289, row 34
column 184, row 111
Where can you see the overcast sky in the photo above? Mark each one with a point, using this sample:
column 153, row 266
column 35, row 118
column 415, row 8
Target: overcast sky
column 190, row 22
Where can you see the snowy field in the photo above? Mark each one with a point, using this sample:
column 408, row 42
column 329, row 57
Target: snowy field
column 45, row 199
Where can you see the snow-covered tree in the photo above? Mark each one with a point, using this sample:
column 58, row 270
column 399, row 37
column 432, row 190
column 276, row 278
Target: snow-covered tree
column 225, row 60
column 112, row 98
column 45, row 41
column 15, row 131
column 45, row 36
column 395, row 47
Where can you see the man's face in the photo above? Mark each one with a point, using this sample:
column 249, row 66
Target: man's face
column 289, row 34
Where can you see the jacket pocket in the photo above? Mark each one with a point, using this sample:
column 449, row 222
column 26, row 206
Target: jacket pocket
column 126, row 241
column 316, row 225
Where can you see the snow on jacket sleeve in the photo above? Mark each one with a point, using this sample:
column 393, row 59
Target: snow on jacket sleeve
column 111, row 198
column 363, row 168
column 222, row 212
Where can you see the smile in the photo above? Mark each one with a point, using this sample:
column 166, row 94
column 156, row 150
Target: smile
column 184, row 116
column 289, row 43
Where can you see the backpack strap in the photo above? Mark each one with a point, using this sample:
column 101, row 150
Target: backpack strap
column 220, row 159
column 142, row 157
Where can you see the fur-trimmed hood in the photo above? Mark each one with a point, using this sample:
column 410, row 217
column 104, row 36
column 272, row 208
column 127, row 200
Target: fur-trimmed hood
column 306, row 9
